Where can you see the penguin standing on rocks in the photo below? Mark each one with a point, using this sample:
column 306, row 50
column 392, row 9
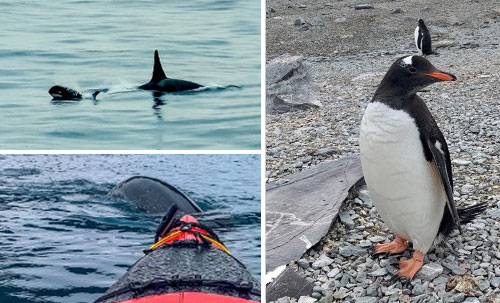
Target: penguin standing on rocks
column 406, row 163
column 423, row 38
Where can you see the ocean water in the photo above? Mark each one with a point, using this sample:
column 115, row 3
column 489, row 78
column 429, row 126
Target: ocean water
column 89, row 45
column 63, row 240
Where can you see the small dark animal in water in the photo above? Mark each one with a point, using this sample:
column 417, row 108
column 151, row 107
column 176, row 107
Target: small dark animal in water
column 64, row 93
column 160, row 82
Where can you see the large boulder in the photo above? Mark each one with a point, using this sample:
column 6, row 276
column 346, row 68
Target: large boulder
column 289, row 85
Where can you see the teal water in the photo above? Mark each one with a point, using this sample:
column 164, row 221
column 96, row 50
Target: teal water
column 87, row 45
column 63, row 240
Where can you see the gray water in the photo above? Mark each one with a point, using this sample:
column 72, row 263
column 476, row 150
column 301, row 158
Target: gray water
column 89, row 45
column 62, row 239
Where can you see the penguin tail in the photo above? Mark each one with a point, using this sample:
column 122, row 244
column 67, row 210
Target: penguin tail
column 468, row 214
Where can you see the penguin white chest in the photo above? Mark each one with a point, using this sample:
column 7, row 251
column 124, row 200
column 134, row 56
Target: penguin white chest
column 405, row 188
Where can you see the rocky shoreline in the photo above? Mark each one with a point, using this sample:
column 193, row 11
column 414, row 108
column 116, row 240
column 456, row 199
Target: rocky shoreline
column 347, row 60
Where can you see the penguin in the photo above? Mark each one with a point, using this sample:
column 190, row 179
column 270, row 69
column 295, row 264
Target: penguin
column 423, row 38
column 406, row 164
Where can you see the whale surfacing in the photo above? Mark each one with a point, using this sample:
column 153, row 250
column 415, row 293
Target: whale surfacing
column 160, row 82
column 153, row 195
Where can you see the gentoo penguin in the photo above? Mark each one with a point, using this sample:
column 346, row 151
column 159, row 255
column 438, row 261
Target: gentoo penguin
column 406, row 163
column 423, row 38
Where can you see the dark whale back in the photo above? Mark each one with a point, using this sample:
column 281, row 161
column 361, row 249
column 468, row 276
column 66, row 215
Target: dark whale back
column 153, row 195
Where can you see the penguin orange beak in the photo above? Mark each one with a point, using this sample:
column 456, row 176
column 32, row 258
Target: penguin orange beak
column 442, row 76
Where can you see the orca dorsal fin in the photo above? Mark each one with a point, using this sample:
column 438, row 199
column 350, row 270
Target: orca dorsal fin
column 158, row 73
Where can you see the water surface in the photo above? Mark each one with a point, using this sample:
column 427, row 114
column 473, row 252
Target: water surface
column 63, row 240
column 109, row 44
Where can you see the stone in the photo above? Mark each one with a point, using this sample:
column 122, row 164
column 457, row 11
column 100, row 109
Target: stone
column 379, row 272
column 495, row 282
column 349, row 250
column 443, row 43
column 306, row 299
column 363, row 6
column 297, row 219
column 474, row 129
column 461, row 162
column 298, row 21
column 303, row 263
column 397, row 11
column 376, row 239
column 484, row 285
column 316, row 21
column 289, row 85
column 430, row 271
column 284, row 300
column 288, row 283
column 322, row 262
column 458, row 298
column 333, row 272
column 346, row 219
column 367, row 300
column 340, row 20
column 457, row 270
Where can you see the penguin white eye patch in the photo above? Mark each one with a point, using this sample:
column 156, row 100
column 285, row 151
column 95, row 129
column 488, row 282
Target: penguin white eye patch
column 407, row 61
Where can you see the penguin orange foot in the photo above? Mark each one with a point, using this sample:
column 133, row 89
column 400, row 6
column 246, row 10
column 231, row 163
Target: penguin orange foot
column 395, row 247
column 408, row 268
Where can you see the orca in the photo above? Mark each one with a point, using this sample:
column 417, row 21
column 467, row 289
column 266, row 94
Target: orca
column 64, row 93
column 160, row 82
column 153, row 195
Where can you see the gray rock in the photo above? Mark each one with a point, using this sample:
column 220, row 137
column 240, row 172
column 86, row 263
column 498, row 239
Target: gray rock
column 306, row 299
column 494, row 213
column 443, row 43
column 495, row 282
column 298, row 220
column 346, row 219
column 474, row 129
column 461, row 162
column 379, row 272
column 484, row 285
column 322, row 262
column 333, row 272
column 316, row 21
column 430, row 271
column 363, row 6
column 376, row 239
column 303, row 263
column 340, row 20
column 397, row 11
column 365, row 243
column 366, row 300
column 316, row 295
column 349, row 250
column 472, row 300
column 289, row 84
column 299, row 21
column 372, row 290
column 284, row 300
column 457, row 270
column 458, row 298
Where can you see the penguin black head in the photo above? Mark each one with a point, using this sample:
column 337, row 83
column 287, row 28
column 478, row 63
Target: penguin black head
column 421, row 23
column 410, row 74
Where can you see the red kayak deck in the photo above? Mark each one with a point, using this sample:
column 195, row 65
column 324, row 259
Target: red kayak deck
column 188, row 297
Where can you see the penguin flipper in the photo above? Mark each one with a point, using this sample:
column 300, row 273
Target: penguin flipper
column 439, row 158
